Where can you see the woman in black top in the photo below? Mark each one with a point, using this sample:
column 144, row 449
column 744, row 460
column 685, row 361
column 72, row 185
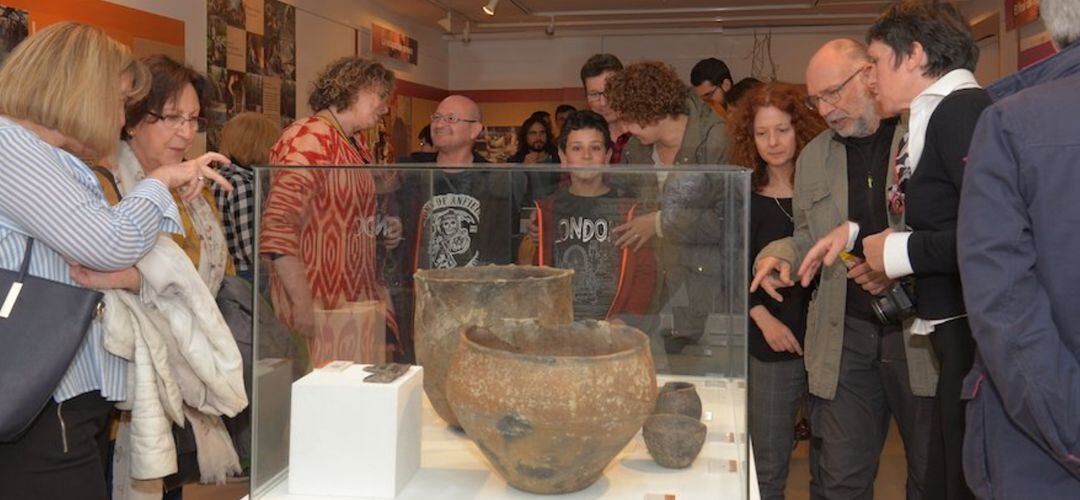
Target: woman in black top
column 768, row 129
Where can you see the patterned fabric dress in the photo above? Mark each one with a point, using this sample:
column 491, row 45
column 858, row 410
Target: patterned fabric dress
column 318, row 216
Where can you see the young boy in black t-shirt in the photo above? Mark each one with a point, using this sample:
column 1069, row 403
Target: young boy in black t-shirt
column 576, row 226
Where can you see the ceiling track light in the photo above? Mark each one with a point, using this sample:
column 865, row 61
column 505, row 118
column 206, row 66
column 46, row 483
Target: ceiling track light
column 489, row 9
column 550, row 29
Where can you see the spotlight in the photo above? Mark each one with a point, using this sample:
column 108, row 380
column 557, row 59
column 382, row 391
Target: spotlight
column 489, row 9
column 550, row 30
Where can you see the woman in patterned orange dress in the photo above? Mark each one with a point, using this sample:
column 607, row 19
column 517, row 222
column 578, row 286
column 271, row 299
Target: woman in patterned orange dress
column 315, row 226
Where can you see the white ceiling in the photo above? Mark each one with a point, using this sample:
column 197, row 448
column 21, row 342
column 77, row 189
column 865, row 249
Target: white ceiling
column 570, row 16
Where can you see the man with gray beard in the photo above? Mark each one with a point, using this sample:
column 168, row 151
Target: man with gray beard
column 861, row 370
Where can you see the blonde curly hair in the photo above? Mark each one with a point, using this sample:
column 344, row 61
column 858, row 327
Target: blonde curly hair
column 339, row 83
column 646, row 92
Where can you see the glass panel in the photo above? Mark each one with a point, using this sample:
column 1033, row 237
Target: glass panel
column 339, row 247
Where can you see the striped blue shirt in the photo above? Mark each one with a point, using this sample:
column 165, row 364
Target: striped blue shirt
column 49, row 194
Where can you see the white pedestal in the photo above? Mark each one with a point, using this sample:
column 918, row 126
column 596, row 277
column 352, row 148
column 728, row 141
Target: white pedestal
column 354, row 438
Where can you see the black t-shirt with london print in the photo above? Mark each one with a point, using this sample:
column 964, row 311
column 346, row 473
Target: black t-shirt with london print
column 584, row 240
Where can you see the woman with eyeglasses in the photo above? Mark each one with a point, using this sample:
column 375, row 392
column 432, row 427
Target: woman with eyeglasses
column 320, row 226
column 160, row 130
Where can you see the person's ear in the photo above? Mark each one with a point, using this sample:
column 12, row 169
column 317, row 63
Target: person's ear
column 916, row 60
column 477, row 129
column 726, row 85
column 607, row 156
column 562, row 156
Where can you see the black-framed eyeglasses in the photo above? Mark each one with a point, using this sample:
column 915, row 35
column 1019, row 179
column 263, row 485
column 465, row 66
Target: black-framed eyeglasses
column 451, row 119
column 179, row 121
column 595, row 96
column 831, row 96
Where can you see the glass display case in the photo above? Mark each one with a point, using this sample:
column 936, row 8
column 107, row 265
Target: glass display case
column 544, row 317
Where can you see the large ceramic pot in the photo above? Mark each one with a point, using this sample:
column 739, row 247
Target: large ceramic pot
column 550, row 407
column 447, row 299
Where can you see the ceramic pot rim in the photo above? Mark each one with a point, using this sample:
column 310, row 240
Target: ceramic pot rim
column 640, row 342
column 535, row 273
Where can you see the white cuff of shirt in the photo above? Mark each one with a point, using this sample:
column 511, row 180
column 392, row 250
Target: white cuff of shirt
column 852, row 235
column 659, row 233
column 895, row 255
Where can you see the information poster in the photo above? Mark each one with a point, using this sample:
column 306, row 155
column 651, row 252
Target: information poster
column 251, row 57
column 393, row 44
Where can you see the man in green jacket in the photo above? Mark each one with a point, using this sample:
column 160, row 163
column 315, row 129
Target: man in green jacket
column 860, row 370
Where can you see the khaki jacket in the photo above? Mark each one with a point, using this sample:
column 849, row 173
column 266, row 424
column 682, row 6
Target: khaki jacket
column 820, row 204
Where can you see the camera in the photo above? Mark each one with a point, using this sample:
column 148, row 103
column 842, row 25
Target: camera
column 895, row 304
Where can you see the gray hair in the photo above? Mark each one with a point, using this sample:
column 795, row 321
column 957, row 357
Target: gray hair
column 1062, row 18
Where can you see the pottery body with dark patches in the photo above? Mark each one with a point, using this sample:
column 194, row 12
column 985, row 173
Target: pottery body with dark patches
column 550, row 407
column 674, row 440
column 680, row 398
column 447, row 299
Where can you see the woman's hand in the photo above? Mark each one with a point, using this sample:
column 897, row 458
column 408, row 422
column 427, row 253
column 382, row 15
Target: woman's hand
column 127, row 279
column 637, row 231
column 188, row 177
column 776, row 333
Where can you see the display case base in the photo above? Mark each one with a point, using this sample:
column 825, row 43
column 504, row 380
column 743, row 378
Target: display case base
column 452, row 467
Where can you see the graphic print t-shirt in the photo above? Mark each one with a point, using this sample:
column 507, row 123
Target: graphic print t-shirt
column 452, row 222
column 583, row 239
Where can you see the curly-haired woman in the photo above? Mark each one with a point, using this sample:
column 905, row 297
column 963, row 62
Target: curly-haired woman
column 328, row 210
column 768, row 129
column 672, row 126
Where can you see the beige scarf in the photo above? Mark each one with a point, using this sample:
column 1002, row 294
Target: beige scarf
column 214, row 251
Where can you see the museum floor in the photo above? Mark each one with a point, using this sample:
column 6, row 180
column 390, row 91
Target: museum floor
column 889, row 484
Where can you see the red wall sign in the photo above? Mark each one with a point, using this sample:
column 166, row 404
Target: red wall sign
column 1020, row 12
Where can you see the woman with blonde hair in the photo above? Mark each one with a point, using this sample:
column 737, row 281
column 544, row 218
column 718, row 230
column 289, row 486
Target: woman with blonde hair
column 246, row 139
column 48, row 118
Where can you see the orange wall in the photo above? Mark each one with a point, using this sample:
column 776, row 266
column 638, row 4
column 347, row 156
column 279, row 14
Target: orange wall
column 512, row 114
column 122, row 23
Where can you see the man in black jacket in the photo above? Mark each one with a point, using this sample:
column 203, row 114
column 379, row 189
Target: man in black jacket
column 923, row 55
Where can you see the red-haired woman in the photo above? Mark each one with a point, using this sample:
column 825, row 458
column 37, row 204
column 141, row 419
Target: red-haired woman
column 768, row 129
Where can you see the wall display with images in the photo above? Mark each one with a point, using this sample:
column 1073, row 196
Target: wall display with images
column 14, row 27
column 497, row 144
column 394, row 44
column 251, row 57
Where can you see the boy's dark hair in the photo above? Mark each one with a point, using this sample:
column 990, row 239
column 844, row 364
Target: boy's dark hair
column 938, row 26
column 598, row 64
column 563, row 108
column 425, row 135
column 585, row 120
column 710, row 70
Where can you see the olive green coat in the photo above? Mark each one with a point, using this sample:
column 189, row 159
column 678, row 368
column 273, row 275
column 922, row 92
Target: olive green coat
column 820, row 204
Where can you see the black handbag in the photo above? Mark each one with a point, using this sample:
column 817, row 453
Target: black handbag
column 42, row 325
